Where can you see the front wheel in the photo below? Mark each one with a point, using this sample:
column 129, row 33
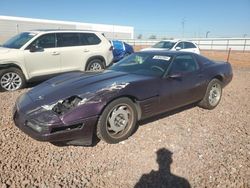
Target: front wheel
column 118, row 121
column 11, row 79
column 213, row 95
column 95, row 65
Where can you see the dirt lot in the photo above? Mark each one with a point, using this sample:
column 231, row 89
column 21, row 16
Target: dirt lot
column 209, row 149
column 236, row 58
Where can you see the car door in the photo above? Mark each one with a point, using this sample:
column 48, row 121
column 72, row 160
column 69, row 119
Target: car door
column 76, row 49
column 183, row 85
column 71, row 51
column 42, row 57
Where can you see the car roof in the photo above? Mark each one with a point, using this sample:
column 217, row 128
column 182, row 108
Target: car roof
column 171, row 40
column 61, row 30
column 176, row 40
column 164, row 52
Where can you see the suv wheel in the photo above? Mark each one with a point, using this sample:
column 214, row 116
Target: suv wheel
column 11, row 79
column 95, row 65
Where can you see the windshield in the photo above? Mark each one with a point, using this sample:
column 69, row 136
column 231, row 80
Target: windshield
column 143, row 64
column 164, row 44
column 19, row 40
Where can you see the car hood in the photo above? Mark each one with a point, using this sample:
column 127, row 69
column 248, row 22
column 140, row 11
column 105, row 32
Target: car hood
column 82, row 84
column 4, row 50
column 9, row 54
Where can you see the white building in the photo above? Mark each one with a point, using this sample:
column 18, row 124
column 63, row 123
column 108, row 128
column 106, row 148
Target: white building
column 10, row 26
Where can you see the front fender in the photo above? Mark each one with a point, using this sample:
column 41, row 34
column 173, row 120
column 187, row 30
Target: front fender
column 10, row 64
column 94, row 103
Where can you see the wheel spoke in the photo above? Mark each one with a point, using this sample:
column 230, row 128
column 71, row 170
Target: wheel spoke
column 4, row 81
column 6, row 84
column 9, row 87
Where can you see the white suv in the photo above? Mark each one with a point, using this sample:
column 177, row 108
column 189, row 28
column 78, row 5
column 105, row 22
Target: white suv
column 32, row 55
column 175, row 45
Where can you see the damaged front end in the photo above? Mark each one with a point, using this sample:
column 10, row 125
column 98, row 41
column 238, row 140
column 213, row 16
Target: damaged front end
column 63, row 106
column 67, row 118
column 47, row 123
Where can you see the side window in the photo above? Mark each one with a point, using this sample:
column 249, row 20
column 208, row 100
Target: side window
column 89, row 39
column 189, row 45
column 202, row 60
column 181, row 45
column 183, row 64
column 67, row 39
column 45, row 41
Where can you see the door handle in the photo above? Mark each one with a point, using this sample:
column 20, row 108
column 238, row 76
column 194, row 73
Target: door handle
column 86, row 50
column 55, row 53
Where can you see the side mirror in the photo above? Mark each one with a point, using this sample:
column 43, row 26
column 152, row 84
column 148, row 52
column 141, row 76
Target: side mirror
column 178, row 48
column 35, row 48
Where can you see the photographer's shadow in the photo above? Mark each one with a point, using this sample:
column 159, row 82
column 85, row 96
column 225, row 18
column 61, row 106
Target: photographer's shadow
column 163, row 178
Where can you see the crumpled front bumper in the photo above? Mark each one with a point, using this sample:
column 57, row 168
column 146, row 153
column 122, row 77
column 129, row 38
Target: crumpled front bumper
column 56, row 132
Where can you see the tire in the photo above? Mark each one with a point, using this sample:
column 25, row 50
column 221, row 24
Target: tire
column 118, row 121
column 95, row 65
column 11, row 79
column 213, row 95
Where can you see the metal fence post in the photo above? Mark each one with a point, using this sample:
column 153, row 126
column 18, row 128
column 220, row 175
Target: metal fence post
column 17, row 28
column 228, row 55
column 244, row 48
column 227, row 44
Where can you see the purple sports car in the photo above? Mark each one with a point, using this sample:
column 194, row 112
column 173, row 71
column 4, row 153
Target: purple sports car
column 73, row 107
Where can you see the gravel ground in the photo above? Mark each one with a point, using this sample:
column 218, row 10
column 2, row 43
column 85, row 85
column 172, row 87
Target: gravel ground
column 209, row 149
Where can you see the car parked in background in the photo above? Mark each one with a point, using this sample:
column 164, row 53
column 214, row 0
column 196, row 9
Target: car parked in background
column 73, row 107
column 175, row 45
column 37, row 54
column 121, row 49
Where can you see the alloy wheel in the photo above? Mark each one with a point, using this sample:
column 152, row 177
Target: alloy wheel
column 11, row 81
column 119, row 120
column 214, row 94
column 95, row 67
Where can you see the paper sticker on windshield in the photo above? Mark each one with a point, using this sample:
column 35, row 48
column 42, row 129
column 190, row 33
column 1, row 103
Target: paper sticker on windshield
column 161, row 57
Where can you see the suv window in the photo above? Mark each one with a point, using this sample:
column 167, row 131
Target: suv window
column 67, row 39
column 180, row 44
column 183, row 64
column 164, row 44
column 45, row 41
column 89, row 39
column 189, row 45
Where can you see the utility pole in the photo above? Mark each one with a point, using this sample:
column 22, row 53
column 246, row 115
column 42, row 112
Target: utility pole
column 207, row 33
column 183, row 26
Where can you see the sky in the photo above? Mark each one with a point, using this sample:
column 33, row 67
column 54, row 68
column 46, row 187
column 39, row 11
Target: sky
column 169, row 18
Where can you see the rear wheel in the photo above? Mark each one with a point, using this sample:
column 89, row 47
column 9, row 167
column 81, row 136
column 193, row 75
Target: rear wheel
column 11, row 79
column 118, row 121
column 213, row 95
column 95, row 65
